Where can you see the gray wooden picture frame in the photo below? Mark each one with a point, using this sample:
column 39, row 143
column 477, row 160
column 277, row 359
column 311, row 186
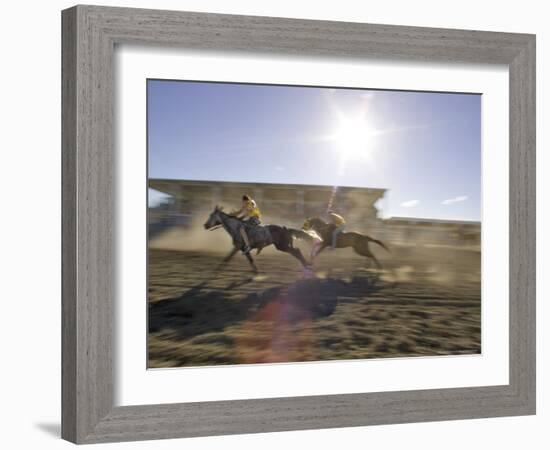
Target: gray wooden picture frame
column 88, row 153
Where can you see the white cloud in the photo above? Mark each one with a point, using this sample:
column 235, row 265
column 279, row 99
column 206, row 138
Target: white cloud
column 410, row 203
column 450, row 201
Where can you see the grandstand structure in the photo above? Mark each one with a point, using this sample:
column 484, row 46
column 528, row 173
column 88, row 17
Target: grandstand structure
column 191, row 201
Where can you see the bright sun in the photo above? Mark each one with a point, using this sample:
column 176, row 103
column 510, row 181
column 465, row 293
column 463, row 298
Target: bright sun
column 354, row 138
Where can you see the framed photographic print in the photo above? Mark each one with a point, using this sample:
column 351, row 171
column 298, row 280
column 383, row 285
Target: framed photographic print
column 268, row 222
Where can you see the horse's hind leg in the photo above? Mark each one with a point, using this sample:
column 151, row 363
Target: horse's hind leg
column 376, row 262
column 363, row 250
column 285, row 245
column 297, row 253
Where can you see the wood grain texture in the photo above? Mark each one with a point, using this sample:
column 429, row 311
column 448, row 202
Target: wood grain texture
column 88, row 210
column 68, row 225
column 89, row 36
column 523, row 224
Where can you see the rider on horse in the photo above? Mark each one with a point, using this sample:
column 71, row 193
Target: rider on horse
column 250, row 214
column 339, row 226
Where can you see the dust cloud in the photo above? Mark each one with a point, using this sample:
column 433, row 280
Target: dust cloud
column 192, row 238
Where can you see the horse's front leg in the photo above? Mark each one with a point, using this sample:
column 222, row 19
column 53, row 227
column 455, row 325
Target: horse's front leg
column 315, row 249
column 228, row 258
column 251, row 261
column 320, row 248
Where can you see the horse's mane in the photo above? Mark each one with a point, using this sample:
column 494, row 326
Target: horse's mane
column 318, row 220
column 221, row 211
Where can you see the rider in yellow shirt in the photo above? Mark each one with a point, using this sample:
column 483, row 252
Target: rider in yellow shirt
column 339, row 226
column 250, row 213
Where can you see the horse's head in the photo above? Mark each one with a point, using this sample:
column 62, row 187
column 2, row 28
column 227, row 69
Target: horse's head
column 213, row 219
column 314, row 223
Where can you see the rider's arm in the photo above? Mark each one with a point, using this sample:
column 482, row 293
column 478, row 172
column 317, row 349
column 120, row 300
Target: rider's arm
column 237, row 212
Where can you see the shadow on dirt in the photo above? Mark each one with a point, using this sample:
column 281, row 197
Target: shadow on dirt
column 201, row 310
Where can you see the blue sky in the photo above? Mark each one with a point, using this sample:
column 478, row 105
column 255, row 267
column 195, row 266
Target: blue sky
column 425, row 148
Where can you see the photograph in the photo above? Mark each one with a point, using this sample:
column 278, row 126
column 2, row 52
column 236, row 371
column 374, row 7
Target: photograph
column 294, row 224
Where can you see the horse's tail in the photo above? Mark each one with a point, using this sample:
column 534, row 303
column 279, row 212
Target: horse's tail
column 380, row 243
column 300, row 234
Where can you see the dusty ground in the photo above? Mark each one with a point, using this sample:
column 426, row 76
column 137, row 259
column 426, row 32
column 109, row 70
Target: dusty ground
column 426, row 301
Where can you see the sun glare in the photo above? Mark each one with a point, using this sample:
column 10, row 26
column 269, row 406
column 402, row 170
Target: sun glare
column 354, row 138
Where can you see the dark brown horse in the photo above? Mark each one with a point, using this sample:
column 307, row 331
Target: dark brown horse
column 359, row 242
column 261, row 236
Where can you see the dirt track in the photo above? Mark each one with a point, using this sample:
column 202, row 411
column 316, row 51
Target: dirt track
column 426, row 301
